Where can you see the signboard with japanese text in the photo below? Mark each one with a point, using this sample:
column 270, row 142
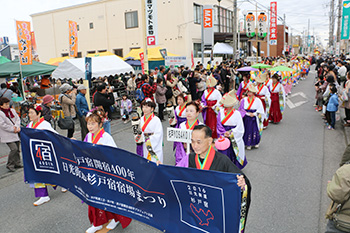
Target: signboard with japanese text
column 345, row 26
column 171, row 199
column 175, row 61
column 208, row 29
column 179, row 135
column 151, row 22
column 273, row 23
column 142, row 57
column 73, row 39
column 262, row 25
column 250, row 22
column 24, row 42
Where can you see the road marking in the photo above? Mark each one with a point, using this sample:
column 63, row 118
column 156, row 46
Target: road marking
column 292, row 105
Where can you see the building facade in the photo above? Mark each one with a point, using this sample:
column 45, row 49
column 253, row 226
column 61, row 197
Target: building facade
column 118, row 26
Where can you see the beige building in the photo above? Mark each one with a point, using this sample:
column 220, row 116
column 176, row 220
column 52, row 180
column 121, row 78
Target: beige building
column 118, row 26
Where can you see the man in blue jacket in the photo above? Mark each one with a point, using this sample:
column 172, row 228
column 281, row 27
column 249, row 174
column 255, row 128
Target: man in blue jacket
column 82, row 110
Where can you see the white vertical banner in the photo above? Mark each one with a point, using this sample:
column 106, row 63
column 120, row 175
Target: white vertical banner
column 208, row 26
column 151, row 22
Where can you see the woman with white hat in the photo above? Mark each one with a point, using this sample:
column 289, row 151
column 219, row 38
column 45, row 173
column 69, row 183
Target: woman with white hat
column 264, row 95
column 277, row 100
column 253, row 115
column 230, row 125
column 210, row 100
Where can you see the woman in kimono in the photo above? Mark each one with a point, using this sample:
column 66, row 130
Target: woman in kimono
column 180, row 111
column 264, row 95
column 277, row 100
column 38, row 122
column 152, row 133
column 97, row 135
column 253, row 115
column 210, row 101
column 243, row 86
column 192, row 113
column 230, row 125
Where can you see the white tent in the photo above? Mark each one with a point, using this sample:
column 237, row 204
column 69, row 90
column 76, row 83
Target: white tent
column 221, row 48
column 101, row 66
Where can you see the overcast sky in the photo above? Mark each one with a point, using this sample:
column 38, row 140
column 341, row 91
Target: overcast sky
column 297, row 13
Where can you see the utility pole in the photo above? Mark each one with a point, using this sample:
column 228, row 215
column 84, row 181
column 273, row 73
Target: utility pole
column 308, row 37
column 234, row 29
column 340, row 5
column 284, row 33
column 331, row 26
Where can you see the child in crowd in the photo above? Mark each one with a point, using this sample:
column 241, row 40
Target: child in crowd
column 125, row 108
column 332, row 107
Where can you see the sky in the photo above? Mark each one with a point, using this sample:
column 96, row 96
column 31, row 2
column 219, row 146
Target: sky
column 297, row 13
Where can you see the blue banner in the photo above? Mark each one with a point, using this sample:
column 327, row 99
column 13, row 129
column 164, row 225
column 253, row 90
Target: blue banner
column 171, row 199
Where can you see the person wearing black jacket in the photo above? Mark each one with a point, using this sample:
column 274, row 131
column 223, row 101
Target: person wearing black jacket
column 104, row 97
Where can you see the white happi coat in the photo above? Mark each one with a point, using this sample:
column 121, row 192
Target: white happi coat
column 177, row 112
column 43, row 125
column 106, row 139
column 258, row 106
column 155, row 126
column 216, row 95
column 265, row 92
column 279, row 89
column 238, row 131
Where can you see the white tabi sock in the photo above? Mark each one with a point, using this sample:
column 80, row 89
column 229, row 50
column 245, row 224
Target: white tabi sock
column 93, row 229
column 112, row 224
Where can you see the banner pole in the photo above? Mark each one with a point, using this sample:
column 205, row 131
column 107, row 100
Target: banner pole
column 21, row 78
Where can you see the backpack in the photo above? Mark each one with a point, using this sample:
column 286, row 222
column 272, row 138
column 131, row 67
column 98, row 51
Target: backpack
column 139, row 93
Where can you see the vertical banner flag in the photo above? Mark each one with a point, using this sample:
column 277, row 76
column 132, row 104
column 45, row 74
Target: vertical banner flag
column 34, row 49
column 142, row 56
column 163, row 52
column 88, row 70
column 273, row 23
column 262, row 25
column 151, row 22
column 208, row 32
column 73, row 39
column 24, row 42
column 345, row 33
column 192, row 59
column 250, row 21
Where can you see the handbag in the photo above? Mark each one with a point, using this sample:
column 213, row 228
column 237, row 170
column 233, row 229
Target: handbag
column 344, row 96
column 341, row 221
column 66, row 123
column 169, row 92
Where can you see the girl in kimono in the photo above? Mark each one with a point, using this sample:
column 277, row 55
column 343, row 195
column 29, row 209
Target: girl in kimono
column 230, row 125
column 264, row 95
column 38, row 122
column 97, row 135
column 210, row 101
column 180, row 111
column 253, row 114
column 192, row 113
column 277, row 100
column 243, row 86
column 152, row 133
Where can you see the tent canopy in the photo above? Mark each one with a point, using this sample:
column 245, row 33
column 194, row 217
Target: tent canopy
column 101, row 66
column 221, row 48
column 4, row 59
column 153, row 54
column 56, row 61
column 101, row 54
column 37, row 68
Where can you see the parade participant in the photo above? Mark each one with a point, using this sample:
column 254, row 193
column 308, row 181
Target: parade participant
column 210, row 100
column 46, row 107
column 243, row 86
column 230, row 125
column 206, row 158
column 192, row 113
column 253, row 115
column 264, row 95
column 180, row 111
column 38, row 122
column 97, row 135
column 152, row 133
column 277, row 100
column 10, row 126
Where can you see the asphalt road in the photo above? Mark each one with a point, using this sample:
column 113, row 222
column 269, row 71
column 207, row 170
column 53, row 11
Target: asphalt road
column 289, row 174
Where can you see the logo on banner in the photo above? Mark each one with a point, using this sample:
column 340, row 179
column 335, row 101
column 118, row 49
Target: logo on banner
column 44, row 156
column 198, row 205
